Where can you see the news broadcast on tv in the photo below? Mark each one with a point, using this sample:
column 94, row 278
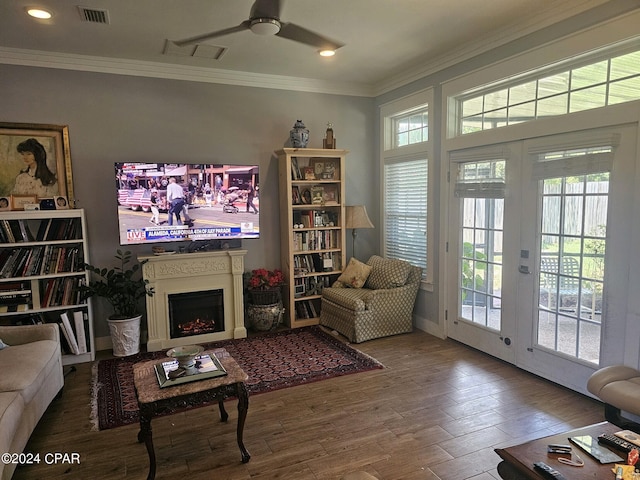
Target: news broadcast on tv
column 161, row 202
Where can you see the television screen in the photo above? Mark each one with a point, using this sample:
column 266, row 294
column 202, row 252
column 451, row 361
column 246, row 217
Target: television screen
column 161, row 202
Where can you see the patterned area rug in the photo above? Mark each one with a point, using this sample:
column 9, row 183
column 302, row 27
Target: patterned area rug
column 272, row 361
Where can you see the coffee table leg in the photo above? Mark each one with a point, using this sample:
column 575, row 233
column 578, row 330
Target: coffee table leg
column 243, row 406
column 223, row 413
column 144, row 435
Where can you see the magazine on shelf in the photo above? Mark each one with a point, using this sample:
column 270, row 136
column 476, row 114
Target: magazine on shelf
column 207, row 366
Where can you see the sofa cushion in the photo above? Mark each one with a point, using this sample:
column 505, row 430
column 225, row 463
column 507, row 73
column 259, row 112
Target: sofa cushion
column 387, row 273
column 355, row 274
column 11, row 410
column 354, row 299
column 25, row 367
column 2, row 344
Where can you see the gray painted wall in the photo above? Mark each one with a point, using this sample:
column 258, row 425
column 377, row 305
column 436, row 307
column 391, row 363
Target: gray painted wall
column 115, row 118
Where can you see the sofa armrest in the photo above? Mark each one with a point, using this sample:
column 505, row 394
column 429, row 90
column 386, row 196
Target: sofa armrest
column 21, row 334
column 392, row 299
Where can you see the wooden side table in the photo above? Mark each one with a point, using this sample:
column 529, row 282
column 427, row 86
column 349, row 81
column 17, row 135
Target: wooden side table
column 153, row 400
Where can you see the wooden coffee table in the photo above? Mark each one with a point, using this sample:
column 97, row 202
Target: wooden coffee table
column 153, row 400
column 519, row 459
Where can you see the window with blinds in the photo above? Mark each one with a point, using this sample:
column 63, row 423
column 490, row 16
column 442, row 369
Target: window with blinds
column 405, row 210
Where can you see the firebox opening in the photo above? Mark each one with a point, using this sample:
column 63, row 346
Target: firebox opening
column 196, row 313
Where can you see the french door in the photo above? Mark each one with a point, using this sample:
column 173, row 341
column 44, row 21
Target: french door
column 532, row 225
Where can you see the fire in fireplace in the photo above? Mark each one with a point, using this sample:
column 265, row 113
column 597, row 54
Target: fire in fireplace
column 196, row 313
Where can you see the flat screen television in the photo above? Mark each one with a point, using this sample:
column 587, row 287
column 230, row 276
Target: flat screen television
column 220, row 202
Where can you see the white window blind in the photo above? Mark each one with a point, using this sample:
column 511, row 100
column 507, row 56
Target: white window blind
column 405, row 207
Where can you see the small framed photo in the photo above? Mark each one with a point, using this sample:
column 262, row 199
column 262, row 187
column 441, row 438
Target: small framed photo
column 325, row 169
column 47, row 204
column 5, row 204
column 309, row 173
column 61, row 202
column 19, row 201
column 305, row 196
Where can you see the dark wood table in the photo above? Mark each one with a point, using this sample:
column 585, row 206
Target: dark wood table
column 518, row 460
column 153, row 400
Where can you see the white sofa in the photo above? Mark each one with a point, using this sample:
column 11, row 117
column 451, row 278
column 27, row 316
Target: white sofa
column 31, row 377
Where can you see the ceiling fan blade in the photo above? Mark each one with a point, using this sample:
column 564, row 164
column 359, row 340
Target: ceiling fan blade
column 265, row 9
column 302, row 35
column 207, row 36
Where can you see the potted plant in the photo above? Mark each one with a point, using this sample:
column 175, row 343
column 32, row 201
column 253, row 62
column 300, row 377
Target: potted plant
column 123, row 287
column 265, row 298
column 265, row 286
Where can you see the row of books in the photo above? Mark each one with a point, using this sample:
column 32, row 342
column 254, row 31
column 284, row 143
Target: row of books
column 40, row 260
column 49, row 229
column 73, row 324
column 60, row 291
column 15, row 296
column 307, row 309
column 316, row 262
column 315, row 240
column 74, row 327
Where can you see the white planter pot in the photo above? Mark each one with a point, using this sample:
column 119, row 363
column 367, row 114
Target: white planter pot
column 125, row 336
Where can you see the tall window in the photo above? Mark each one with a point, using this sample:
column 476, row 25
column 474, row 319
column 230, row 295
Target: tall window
column 405, row 180
column 405, row 211
column 555, row 90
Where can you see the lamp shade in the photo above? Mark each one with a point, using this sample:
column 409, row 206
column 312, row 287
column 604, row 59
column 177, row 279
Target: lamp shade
column 356, row 217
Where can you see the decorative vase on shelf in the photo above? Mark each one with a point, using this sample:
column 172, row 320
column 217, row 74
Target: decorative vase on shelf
column 299, row 135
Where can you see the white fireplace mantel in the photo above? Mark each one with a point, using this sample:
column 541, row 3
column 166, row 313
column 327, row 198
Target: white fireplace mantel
column 194, row 272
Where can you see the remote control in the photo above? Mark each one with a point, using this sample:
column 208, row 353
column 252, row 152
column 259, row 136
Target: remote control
column 616, row 442
column 548, row 472
column 629, row 436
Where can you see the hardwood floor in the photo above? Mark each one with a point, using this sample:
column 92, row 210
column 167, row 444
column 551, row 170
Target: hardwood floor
column 436, row 411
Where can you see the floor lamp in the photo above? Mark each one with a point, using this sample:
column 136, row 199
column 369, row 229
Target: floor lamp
column 356, row 217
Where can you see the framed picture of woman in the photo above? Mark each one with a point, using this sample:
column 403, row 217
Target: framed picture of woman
column 35, row 160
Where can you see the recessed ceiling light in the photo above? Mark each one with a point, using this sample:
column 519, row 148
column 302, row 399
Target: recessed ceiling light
column 39, row 13
column 327, row 53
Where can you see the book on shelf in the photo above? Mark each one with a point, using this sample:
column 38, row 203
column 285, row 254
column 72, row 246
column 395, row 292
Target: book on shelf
column 43, row 229
column 20, row 307
column 207, row 366
column 67, row 331
column 25, row 231
column 81, row 335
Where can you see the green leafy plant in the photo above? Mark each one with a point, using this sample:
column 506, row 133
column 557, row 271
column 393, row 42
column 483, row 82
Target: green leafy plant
column 121, row 286
column 469, row 280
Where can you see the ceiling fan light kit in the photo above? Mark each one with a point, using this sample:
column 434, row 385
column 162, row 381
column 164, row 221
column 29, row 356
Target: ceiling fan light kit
column 265, row 26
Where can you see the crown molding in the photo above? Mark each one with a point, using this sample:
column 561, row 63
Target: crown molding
column 136, row 68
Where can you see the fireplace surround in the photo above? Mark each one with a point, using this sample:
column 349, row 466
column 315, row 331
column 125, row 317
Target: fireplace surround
column 183, row 273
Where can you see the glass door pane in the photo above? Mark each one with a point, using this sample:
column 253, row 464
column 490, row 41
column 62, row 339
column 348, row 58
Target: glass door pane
column 571, row 269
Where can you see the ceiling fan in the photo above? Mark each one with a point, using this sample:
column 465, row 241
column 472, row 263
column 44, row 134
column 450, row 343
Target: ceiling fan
column 264, row 19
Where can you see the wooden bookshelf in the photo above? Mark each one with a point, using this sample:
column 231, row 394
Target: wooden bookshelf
column 42, row 257
column 312, row 232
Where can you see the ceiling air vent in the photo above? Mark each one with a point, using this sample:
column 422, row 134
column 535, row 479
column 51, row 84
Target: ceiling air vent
column 94, row 15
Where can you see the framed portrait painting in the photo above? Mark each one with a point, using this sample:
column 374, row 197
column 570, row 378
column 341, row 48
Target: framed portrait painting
column 35, row 161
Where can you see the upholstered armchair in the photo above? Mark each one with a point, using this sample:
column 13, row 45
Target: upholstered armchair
column 372, row 300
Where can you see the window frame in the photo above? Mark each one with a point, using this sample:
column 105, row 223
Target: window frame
column 391, row 153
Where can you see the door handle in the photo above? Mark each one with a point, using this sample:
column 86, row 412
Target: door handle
column 524, row 269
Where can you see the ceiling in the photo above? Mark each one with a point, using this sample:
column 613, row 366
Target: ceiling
column 387, row 42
